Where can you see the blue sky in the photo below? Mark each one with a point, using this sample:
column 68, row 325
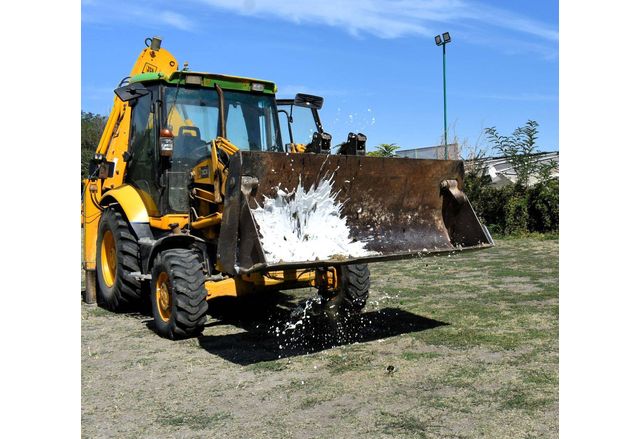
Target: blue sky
column 374, row 61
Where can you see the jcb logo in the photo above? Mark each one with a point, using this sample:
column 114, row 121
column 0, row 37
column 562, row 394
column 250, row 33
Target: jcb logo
column 149, row 68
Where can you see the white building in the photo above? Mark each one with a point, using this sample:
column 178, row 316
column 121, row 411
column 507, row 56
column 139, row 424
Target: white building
column 502, row 172
column 431, row 152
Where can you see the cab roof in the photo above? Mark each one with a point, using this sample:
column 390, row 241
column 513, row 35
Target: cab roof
column 203, row 79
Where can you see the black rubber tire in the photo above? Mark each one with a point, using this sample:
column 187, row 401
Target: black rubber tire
column 125, row 290
column 188, row 295
column 354, row 288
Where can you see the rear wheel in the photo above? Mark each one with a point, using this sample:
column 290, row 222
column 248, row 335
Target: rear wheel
column 178, row 295
column 116, row 258
column 353, row 293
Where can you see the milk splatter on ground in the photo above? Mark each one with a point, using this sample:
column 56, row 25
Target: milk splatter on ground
column 306, row 225
column 315, row 325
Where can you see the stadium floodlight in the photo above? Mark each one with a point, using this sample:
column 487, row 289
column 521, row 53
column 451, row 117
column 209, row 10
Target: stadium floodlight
column 443, row 40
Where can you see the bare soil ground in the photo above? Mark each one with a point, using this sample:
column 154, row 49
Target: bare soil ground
column 472, row 340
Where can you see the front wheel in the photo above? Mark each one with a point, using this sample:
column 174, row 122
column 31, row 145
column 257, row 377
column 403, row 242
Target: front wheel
column 353, row 292
column 178, row 295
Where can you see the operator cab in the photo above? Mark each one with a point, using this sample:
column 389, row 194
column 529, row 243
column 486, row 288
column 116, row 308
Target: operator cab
column 175, row 120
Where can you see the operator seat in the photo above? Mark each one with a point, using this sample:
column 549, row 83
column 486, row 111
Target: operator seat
column 186, row 142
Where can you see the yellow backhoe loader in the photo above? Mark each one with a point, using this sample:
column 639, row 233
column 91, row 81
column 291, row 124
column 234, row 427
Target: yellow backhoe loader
column 194, row 194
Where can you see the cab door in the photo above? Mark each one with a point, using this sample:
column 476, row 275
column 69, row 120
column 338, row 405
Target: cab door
column 142, row 169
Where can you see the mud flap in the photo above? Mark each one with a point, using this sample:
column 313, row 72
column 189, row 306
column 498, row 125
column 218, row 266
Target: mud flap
column 399, row 207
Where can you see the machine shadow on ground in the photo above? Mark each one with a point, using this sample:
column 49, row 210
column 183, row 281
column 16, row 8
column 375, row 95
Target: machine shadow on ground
column 271, row 333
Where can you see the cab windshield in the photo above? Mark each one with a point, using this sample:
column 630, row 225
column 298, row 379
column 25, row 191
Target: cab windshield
column 192, row 115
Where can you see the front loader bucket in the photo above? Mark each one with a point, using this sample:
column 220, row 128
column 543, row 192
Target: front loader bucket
column 383, row 209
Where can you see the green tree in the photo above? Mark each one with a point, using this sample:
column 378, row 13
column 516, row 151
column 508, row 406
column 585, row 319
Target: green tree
column 384, row 150
column 91, row 127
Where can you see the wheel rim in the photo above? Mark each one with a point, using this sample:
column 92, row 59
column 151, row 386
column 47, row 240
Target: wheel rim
column 109, row 258
column 163, row 296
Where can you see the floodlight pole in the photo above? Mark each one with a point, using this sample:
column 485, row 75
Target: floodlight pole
column 444, row 86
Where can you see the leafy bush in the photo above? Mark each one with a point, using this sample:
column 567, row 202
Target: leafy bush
column 544, row 203
column 491, row 207
column 519, row 208
column 515, row 210
column 517, row 214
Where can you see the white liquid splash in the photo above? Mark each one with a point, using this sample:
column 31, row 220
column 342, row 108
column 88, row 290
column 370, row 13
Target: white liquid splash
column 306, row 226
column 356, row 121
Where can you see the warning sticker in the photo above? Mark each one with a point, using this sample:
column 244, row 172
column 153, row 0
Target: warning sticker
column 149, row 68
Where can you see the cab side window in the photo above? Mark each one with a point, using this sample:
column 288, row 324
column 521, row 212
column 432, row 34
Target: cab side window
column 142, row 169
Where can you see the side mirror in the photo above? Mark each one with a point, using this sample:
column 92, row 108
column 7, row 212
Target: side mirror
column 308, row 101
column 131, row 91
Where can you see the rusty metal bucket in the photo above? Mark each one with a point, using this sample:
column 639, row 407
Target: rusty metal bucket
column 400, row 207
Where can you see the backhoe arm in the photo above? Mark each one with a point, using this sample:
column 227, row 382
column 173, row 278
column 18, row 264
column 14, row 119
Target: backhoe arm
column 114, row 142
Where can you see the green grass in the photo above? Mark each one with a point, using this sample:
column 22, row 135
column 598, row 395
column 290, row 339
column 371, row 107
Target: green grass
column 519, row 398
column 96, row 311
column 268, row 366
column 541, row 377
column 462, row 376
column 551, row 236
column 501, row 303
column 501, row 298
column 139, row 362
column 313, row 401
column 419, row 356
column 405, row 425
column 194, row 421
column 349, row 361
